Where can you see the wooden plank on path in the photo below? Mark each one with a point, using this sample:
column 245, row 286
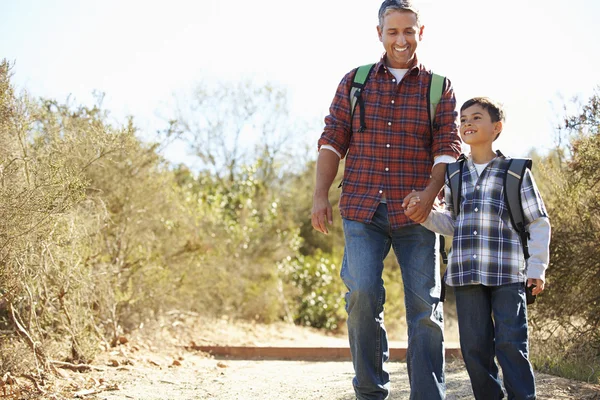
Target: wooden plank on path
column 298, row 353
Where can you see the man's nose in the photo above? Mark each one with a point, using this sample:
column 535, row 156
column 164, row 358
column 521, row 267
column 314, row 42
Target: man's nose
column 401, row 40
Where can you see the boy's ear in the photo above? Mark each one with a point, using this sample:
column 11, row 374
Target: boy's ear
column 421, row 32
column 497, row 129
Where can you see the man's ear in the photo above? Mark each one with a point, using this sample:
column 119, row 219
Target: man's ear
column 380, row 33
column 421, row 32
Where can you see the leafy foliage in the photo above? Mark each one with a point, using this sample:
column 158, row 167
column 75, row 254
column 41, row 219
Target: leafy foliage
column 567, row 316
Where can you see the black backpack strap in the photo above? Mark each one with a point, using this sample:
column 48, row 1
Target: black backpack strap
column 454, row 178
column 360, row 80
column 513, row 180
column 443, row 252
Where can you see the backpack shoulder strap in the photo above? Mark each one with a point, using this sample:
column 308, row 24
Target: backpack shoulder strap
column 454, row 178
column 436, row 86
column 360, row 79
column 513, row 180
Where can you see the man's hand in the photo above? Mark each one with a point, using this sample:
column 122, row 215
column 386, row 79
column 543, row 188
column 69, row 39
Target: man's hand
column 321, row 213
column 417, row 205
column 539, row 285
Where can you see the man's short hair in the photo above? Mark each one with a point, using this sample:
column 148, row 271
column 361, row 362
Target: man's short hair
column 493, row 108
column 397, row 5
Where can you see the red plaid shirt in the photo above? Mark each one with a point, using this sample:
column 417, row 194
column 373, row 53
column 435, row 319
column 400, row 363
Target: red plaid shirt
column 395, row 154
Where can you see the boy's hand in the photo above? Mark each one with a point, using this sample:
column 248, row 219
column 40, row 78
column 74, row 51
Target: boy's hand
column 539, row 285
column 417, row 205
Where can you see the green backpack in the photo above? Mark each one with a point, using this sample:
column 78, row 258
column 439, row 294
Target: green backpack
column 360, row 79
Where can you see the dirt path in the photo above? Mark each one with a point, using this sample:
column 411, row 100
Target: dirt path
column 160, row 367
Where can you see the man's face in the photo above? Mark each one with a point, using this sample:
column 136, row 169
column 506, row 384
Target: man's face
column 400, row 36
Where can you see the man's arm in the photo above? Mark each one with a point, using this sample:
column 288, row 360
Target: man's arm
column 328, row 163
column 421, row 210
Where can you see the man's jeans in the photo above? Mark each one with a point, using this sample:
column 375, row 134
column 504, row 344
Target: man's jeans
column 415, row 247
column 504, row 336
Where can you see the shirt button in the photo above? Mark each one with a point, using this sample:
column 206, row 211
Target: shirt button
column 475, row 233
column 381, row 191
column 477, row 187
column 474, row 255
column 387, row 145
column 389, row 124
column 387, row 169
column 476, row 209
column 393, row 80
column 392, row 101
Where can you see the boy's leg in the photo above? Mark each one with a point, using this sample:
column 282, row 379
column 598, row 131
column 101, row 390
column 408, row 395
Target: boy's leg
column 416, row 250
column 476, row 330
column 366, row 247
column 512, row 348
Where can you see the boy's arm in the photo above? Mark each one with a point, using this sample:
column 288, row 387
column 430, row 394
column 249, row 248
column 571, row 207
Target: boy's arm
column 539, row 248
column 440, row 222
column 440, row 219
column 538, row 225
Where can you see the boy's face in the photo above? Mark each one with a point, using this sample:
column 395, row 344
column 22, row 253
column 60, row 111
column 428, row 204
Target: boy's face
column 477, row 128
column 400, row 36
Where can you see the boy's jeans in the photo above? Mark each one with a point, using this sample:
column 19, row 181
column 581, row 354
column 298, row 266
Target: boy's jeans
column 415, row 247
column 505, row 337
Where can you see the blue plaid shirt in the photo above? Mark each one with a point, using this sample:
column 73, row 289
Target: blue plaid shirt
column 485, row 247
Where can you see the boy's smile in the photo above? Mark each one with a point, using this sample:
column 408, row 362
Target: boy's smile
column 477, row 128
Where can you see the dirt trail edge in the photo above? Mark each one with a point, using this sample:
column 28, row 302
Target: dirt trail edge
column 159, row 363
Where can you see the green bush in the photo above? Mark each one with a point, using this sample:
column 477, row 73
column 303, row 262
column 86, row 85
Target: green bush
column 320, row 291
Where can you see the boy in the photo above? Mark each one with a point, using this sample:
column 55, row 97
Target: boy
column 486, row 265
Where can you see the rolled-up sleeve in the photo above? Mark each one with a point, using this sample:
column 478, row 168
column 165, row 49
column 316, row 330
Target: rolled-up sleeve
column 337, row 131
column 446, row 140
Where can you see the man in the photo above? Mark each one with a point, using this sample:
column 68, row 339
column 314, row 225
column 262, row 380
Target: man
column 396, row 152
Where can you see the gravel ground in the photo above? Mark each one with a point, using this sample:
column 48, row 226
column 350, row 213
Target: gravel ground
column 205, row 378
column 155, row 363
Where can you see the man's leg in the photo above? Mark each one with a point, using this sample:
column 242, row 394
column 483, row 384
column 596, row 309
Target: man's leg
column 366, row 247
column 512, row 348
column 416, row 250
column 476, row 330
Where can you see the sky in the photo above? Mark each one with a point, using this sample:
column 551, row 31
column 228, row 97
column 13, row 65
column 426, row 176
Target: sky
column 533, row 56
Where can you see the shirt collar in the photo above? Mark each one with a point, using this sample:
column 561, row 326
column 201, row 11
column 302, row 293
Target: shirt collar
column 416, row 68
column 499, row 156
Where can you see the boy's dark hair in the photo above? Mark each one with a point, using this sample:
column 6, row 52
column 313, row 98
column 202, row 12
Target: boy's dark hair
column 397, row 5
column 493, row 108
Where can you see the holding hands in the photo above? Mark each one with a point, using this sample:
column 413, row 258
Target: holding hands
column 417, row 205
